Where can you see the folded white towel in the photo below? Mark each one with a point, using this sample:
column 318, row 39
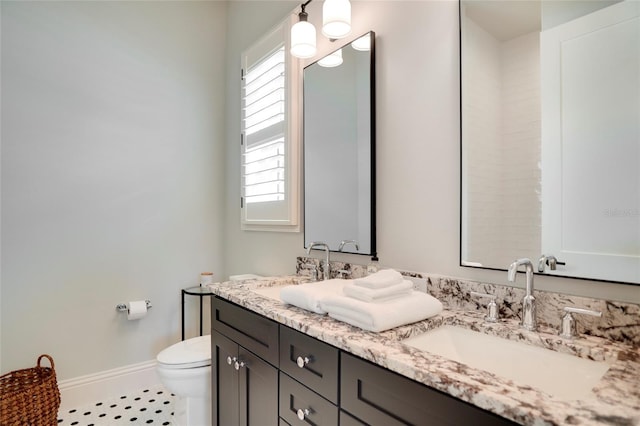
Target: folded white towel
column 308, row 296
column 382, row 316
column 380, row 294
column 380, row 279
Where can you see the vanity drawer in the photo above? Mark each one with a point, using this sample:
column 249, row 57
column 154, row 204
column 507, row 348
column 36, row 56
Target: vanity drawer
column 348, row 420
column 378, row 396
column 252, row 331
column 310, row 361
column 295, row 397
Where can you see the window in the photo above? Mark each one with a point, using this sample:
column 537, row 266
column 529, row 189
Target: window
column 270, row 135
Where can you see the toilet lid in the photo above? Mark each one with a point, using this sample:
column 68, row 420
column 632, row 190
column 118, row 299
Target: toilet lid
column 190, row 353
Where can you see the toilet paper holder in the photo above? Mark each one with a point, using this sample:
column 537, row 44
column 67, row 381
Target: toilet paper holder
column 122, row 307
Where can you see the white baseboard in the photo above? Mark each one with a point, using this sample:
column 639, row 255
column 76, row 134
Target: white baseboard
column 84, row 390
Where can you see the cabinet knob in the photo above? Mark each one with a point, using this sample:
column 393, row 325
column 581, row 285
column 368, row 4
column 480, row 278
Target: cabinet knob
column 302, row 361
column 303, row 413
column 239, row 364
column 231, row 360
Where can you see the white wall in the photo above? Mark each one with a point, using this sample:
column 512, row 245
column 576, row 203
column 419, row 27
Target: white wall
column 418, row 148
column 112, row 175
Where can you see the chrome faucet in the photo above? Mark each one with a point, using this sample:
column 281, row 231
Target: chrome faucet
column 529, row 302
column 547, row 260
column 326, row 268
column 345, row 242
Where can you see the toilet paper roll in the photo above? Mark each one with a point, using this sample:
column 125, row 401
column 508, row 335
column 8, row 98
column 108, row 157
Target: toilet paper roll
column 137, row 309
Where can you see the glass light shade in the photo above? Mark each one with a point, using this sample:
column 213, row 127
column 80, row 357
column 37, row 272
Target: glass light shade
column 303, row 40
column 336, row 18
column 363, row 43
column 332, row 60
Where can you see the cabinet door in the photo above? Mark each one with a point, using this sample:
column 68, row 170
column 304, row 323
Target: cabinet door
column 225, row 402
column 381, row 397
column 258, row 391
column 248, row 329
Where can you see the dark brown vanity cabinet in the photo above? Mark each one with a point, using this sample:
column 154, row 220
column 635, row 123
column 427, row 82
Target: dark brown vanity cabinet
column 310, row 361
column 378, row 396
column 308, row 380
column 299, row 405
column 268, row 374
column 244, row 385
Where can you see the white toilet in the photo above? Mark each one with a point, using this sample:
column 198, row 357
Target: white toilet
column 185, row 370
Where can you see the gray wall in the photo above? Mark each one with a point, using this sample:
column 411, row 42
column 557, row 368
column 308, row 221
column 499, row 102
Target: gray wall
column 120, row 165
column 418, row 147
column 112, row 175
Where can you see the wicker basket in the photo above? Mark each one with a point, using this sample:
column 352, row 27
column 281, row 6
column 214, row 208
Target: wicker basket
column 30, row 396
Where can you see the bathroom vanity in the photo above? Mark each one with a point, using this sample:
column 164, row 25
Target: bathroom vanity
column 299, row 380
column 280, row 365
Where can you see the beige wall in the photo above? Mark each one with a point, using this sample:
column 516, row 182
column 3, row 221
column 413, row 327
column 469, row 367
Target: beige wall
column 112, row 157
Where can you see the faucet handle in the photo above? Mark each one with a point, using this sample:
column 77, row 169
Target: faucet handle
column 492, row 306
column 343, row 273
column 568, row 329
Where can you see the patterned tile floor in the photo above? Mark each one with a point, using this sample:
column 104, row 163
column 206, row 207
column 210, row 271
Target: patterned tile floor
column 153, row 406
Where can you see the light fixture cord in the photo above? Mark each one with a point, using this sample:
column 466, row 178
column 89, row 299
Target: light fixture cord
column 303, row 15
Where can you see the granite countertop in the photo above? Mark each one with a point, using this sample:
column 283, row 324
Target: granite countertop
column 615, row 400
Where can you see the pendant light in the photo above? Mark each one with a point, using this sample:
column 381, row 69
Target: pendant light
column 336, row 18
column 332, row 60
column 303, row 36
column 336, row 23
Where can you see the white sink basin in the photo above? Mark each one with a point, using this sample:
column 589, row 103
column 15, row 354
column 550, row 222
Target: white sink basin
column 270, row 292
column 560, row 375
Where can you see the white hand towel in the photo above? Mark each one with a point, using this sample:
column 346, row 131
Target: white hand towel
column 380, row 294
column 380, row 279
column 308, row 296
column 382, row 316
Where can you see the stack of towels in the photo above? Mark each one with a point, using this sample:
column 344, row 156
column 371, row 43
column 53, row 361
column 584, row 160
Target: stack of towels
column 378, row 302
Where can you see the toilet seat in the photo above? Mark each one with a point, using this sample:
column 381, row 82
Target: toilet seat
column 190, row 353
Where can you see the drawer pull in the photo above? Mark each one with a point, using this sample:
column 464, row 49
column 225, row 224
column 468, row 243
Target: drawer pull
column 303, row 361
column 231, row 360
column 239, row 364
column 303, row 413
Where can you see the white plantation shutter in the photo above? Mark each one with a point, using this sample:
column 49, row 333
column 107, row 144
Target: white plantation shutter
column 270, row 135
column 264, row 132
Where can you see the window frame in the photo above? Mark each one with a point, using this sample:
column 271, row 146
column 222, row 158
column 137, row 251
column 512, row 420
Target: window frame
column 278, row 216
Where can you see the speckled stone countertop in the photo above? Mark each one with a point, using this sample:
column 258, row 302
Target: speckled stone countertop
column 615, row 400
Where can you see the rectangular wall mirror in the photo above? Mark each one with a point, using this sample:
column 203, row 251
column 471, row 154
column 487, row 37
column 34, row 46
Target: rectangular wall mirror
column 551, row 136
column 339, row 149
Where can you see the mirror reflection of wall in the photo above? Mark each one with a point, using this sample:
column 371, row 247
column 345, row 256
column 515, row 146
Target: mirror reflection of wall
column 550, row 135
column 338, row 152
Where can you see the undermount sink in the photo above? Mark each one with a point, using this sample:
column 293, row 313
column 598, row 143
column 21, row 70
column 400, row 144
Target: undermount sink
column 561, row 375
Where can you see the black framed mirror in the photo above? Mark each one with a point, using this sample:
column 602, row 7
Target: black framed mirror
column 339, row 149
column 550, row 139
